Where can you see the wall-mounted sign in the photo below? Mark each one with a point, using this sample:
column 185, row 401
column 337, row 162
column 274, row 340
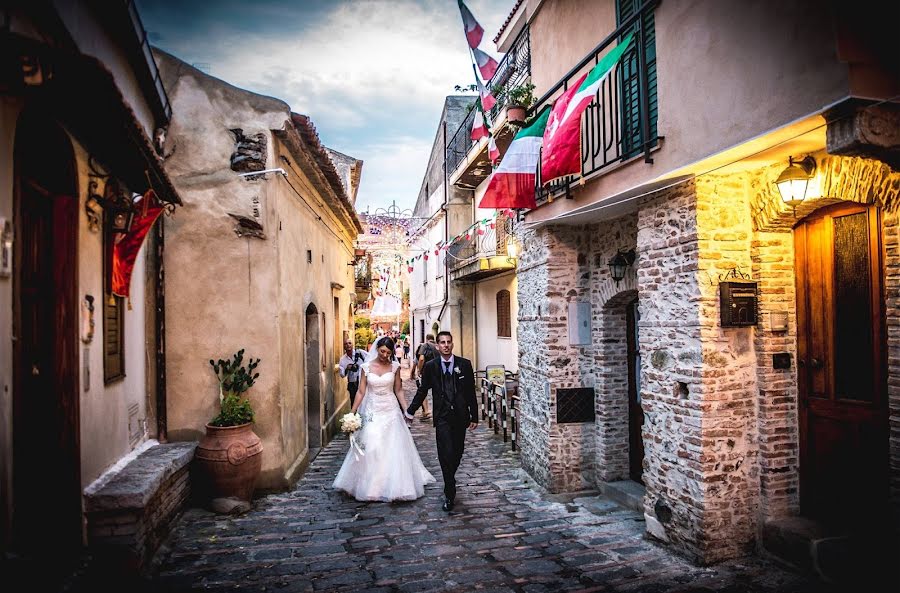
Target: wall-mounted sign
column 579, row 323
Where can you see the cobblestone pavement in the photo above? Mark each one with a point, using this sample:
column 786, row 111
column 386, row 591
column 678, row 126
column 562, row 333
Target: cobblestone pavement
column 506, row 535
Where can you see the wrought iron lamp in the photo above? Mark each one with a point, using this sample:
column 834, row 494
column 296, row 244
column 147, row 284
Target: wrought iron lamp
column 793, row 183
column 619, row 264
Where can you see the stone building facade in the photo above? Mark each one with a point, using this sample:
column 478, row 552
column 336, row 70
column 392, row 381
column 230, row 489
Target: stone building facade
column 736, row 434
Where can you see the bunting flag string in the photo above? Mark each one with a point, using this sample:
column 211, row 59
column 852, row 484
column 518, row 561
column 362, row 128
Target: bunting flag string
column 476, row 228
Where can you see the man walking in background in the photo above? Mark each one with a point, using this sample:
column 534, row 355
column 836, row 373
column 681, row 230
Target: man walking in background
column 424, row 353
column 349, row 367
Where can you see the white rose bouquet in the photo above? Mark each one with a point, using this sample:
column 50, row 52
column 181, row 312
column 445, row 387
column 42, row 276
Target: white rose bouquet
column 350, row 423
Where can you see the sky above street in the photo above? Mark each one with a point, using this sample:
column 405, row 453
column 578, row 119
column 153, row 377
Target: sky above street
column 372, row 74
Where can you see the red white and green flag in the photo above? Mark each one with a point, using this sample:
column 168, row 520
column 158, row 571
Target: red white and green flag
column 474, row 32
column 487, row 99
column 493, row 151
column 562, row 138
column 479, row 129
column 486, row 64
column 512, row 184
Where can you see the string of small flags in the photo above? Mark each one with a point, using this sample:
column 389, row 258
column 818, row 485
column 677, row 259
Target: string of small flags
column 476, row 228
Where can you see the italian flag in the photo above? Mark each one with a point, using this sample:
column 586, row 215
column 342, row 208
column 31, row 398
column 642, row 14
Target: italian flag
column 562, row 138
column 493, row 151
column 474, row 32
column 479, row 129
column 513, row 182
column 486, row 64
column 487, row 99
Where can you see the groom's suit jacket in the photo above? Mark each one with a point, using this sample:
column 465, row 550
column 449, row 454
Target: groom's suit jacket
column 465, row 405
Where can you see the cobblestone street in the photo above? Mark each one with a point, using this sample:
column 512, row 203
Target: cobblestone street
column 505, row 535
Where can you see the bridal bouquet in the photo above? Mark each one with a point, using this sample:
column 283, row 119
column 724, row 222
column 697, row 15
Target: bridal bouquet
column 350, row 423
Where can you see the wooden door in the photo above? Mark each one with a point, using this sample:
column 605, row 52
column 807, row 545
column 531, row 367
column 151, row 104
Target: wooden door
column 840, row 363
column 46, row 450
column 635, row 412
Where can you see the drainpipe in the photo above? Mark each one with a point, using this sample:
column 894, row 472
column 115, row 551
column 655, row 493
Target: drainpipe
column 161, row 418
column 446, row 210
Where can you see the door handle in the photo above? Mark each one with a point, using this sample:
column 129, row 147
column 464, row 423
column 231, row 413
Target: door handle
column 35, row 371
column 815, row 363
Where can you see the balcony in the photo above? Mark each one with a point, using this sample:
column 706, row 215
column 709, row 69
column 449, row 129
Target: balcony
column 482, row 256
column 467, row 161
column 620, row 124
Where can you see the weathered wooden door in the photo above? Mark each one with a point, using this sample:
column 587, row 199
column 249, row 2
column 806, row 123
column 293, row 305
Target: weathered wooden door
column 635, row 412
column 840, row 362
column 46, row 452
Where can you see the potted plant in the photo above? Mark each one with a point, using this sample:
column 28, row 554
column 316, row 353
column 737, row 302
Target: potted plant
column 230, row 454
column 519, row 99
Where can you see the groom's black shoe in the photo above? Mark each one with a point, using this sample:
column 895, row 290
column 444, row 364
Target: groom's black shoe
column 448, row 505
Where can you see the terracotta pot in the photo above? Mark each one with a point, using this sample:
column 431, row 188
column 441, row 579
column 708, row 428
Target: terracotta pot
column 515, row 115
column 230, row 459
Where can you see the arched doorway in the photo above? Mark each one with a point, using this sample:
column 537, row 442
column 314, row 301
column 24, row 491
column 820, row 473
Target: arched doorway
column 313, row 390
column 841, row 363
column 46, row 440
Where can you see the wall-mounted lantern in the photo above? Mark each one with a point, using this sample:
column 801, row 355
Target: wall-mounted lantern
column 512, row 250
column 618, row 265
column 793, row 183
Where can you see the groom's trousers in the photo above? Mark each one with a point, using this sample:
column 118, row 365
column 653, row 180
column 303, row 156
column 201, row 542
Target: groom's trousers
column 451, row 439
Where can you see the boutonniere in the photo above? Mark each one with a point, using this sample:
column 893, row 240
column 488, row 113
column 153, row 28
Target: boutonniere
column 456, row 370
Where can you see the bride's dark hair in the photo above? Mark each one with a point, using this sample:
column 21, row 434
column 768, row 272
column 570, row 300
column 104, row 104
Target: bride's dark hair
column 385, row 341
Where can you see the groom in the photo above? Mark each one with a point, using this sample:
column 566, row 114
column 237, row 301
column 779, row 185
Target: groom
column 452, row 382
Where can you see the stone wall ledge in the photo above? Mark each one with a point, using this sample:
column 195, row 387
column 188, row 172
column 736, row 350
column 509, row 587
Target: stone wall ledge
column 136, row 484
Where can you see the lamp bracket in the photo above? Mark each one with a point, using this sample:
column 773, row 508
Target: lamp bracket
column 734, row 273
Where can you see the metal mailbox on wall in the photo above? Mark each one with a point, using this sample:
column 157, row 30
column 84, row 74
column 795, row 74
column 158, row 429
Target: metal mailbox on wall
column 738, row 303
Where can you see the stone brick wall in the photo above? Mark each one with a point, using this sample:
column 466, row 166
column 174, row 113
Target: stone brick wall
column 610, row 363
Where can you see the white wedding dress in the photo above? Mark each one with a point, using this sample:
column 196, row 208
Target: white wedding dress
column 388, row 467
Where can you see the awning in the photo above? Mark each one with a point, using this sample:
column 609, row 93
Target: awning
column 79, row 92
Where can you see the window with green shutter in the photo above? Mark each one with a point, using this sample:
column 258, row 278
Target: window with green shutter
column 629, row 79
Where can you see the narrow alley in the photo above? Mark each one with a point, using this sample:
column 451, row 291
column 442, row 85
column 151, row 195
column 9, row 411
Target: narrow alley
column 505, row 535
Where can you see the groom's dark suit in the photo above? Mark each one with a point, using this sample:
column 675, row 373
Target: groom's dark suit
column 454, row 407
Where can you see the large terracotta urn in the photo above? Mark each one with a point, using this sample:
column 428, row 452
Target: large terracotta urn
column 229, row 460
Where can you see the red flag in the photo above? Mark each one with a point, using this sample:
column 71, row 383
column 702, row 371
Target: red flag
column 125, row 251
column 486, row 64
column 562, row 149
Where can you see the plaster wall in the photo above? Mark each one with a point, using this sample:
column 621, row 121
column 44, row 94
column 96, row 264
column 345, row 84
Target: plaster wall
column 732, row 56
column 493, row 349
column 221, row 289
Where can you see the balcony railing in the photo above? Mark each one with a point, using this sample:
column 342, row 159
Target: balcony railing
column 514, row 69
column 621, row 121
column 492, row 242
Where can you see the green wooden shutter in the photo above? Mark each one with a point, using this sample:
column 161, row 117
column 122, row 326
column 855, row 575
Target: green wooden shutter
column 629, row 80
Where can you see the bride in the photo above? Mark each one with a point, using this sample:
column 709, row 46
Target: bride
column 388, row 467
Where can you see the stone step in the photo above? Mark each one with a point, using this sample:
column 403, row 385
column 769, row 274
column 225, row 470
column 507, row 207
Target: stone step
column 627, row 493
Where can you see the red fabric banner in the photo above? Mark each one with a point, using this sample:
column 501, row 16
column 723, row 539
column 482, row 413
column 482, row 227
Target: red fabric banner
column 126, row 249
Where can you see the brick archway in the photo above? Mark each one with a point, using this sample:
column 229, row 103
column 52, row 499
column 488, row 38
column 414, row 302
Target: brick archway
column 851, row 179
column 612, row 387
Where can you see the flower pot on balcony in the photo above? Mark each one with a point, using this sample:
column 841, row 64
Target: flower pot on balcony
column 515, row 115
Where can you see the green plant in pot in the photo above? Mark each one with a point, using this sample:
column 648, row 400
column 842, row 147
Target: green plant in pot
column 518, row 100
column 229, row 456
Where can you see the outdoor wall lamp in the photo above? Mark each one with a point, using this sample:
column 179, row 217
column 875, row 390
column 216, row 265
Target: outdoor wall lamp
column 512, row 250
column 619, row 264
column 793, row 182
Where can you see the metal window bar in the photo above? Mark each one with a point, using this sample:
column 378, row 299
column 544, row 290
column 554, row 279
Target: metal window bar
column 602, row 135
column 514, row 422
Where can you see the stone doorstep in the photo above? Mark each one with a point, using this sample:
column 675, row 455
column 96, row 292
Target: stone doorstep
column 834, row 556
column 136, row 484
column 628, row 493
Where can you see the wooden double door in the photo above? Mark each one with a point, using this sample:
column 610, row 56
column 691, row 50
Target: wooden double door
column 841, row 363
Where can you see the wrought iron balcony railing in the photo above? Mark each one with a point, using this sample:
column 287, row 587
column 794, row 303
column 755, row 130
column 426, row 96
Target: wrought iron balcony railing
column 514, row 69
column 492, row 242
column 621, row 121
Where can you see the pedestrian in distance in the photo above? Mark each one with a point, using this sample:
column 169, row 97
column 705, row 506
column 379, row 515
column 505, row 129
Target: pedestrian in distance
column 424, row 354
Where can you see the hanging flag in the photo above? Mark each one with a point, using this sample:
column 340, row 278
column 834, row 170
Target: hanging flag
column 562, row 138
column 125, row 251
column 486, row 64
column 493, row 151
column 479, row 129
column 512, row 184
column 487, row 99
column 474, row 32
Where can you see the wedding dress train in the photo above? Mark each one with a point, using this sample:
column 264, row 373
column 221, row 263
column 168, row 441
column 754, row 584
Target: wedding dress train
column 388, row 467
